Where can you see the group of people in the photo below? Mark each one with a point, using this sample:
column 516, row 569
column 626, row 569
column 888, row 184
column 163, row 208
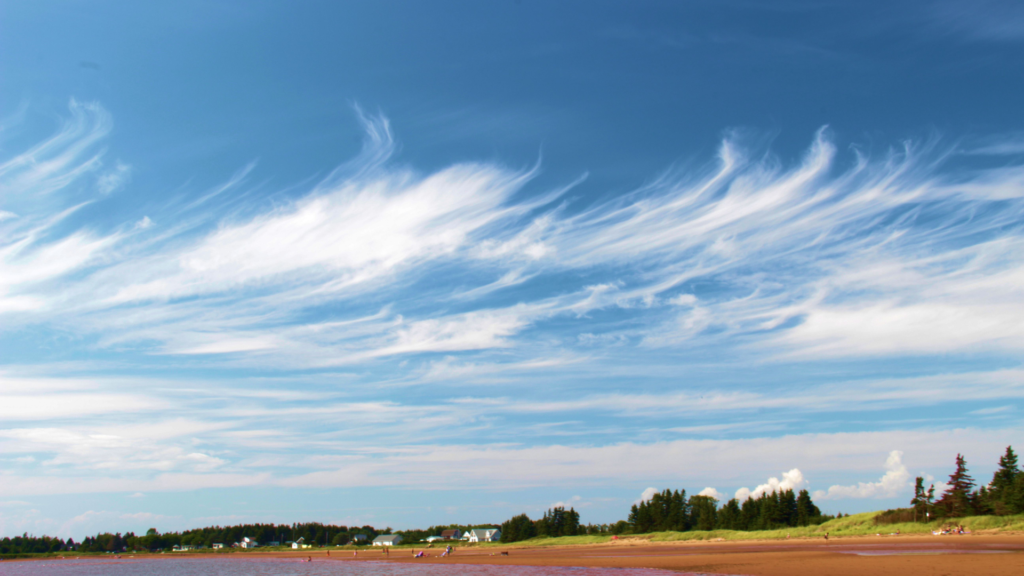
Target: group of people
column 423, row 553
column 958, row 529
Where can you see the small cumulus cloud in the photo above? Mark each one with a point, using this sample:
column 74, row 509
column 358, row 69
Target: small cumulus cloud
column 792, row 480
column 895, row 480
column 646, row 495
column 709, row 491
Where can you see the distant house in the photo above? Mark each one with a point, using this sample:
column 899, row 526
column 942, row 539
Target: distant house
column 248, row 543
column 359, row 538
column 451, row 534
column 483, row 535
column 432, row 539
column 272, row 543
column 299, row 544
column 217, row 545
column 387, row 540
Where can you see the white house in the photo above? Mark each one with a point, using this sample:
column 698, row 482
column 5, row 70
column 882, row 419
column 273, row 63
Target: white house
column 387, row 540
column 483, row 535
column 358, row 538
column 299, row 544
column 217, row 545
column 248, row 543
column 432, row 539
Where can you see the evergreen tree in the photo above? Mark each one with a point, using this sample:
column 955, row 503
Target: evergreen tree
column 1002, row 491
column 703, row 512
column 959, row 499
column 518, row 528
column 922, row 500
column 787, row 508
column 729, row 516
column 806, row 511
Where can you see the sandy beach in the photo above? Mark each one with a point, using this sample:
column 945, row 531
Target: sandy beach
column 993, row 555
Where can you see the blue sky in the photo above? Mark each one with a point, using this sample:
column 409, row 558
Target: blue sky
column 417, row 263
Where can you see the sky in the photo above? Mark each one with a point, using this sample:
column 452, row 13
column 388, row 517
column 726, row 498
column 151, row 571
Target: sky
column 410, row 264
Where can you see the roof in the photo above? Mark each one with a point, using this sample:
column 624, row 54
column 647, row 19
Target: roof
column 482, row 532
column 388, row 538
column 449, row 532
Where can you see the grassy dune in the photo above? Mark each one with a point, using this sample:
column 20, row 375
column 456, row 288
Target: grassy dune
column 853, row 525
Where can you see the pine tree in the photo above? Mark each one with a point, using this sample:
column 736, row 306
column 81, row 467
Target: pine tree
column 1002, row 490
column 806, row 511
column 922, row 499
column 959, row 499
column 729, row 516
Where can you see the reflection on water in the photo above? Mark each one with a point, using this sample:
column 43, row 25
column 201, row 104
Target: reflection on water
column 291, row 567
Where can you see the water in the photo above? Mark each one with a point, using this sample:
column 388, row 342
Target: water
column 291, row 567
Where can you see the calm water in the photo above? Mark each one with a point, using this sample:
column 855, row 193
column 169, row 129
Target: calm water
column 290, row 567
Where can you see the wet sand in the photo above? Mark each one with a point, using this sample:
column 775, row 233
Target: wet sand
column 994, row 555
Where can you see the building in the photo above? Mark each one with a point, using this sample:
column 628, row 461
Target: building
column 483, row 535
column 451, row 534
column 248, row 543
column 432, row 539
column 217, row 545
column 387, row 540
column 299, row 544
column 272, row 543
column 359, row 538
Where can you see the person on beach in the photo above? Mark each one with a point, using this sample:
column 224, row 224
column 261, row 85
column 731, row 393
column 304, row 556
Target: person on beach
column 826, row 536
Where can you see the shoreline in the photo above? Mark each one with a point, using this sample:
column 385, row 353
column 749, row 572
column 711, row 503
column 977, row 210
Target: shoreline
column 994, row 554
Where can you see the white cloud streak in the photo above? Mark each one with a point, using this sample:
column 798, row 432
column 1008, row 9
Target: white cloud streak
column 809, row 261
column 474, row 275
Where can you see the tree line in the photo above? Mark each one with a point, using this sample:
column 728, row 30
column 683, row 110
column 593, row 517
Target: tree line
column 556, row 521
column 1002, row 496
column 313, row 533
column 672, row 511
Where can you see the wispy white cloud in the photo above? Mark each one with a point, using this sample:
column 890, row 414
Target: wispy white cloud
column 114, row 179
column 474, row 311
column 813, row 260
